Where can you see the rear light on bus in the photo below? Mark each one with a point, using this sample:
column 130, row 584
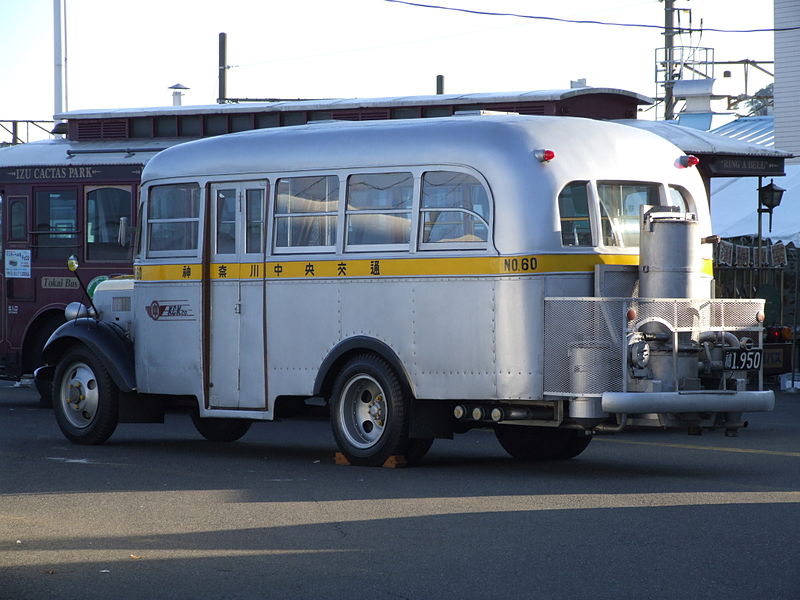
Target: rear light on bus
column 544, row 155
column 776, row 335
column 688, row 160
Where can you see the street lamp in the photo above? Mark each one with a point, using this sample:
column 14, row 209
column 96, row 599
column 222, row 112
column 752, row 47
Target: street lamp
column 769, row 197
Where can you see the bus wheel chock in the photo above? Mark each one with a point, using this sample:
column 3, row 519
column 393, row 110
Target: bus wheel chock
column 395, row 461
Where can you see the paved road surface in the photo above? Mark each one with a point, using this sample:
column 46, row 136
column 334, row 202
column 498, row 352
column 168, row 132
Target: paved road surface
column 157, row 512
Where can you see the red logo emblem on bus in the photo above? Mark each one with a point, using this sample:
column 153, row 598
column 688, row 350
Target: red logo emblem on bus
column 172, row 310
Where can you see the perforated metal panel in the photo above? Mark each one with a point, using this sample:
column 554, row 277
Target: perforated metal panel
column 586, row 338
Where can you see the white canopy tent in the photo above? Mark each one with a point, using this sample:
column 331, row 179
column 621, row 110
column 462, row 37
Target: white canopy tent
column 734, row 203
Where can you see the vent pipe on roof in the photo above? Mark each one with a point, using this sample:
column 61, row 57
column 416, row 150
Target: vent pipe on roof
column 439, row 85
column 177, row 93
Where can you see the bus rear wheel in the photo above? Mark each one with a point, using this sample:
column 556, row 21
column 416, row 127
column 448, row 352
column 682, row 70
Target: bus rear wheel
column 85, row 398
column 541, row 443
column 369, row 414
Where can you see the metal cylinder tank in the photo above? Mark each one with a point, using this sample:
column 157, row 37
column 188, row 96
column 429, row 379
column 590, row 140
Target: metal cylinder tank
column 669, row 250
column 588, row 374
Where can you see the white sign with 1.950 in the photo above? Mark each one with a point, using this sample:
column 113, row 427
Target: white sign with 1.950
column 742, row 360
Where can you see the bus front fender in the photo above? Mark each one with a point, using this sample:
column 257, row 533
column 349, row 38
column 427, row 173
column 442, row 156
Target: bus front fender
column 105, row 340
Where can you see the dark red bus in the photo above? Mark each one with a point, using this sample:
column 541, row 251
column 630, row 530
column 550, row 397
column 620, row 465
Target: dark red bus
column 60, row 198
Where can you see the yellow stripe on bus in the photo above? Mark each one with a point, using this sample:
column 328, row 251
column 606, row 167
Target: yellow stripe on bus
column 391, row 267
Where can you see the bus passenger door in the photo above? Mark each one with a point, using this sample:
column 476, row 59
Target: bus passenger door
column 236, row 311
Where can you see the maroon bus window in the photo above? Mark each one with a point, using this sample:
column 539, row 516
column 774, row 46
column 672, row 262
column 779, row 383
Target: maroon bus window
column 56, row 223
column 106, row 208
column 17, row 219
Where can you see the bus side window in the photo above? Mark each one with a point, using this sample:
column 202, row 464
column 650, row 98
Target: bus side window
column 105, row 207
column 226, row 221
column 173, row 219
column 17, row 219
column 305, row 213
column 56, row 213
column 455, row 209
column 254, row 220
column 573, row 208
column 379, row 210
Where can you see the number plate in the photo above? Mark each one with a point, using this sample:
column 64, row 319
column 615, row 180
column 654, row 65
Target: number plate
column 742, row 360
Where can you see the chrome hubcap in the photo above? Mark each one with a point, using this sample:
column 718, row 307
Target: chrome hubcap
column 79, row 395
column 362, row 411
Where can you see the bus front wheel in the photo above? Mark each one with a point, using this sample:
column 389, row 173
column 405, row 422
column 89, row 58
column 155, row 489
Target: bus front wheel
column 85, row 398
column 369, row 413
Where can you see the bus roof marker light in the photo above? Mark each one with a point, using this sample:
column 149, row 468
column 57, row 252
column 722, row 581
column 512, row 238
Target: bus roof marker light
column 688, row 160
column 544, row 155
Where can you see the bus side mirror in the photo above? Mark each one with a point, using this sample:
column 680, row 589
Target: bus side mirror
column 122, row 236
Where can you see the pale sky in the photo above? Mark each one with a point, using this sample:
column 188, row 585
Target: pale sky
column 126, row 53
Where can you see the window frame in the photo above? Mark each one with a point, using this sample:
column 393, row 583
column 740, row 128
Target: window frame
column 274, row 216
column 659, row 190
column 147, row 222
column 590, row 219
column 454, row 244
column 129, row 245
column 412, row 210
column 12, row 201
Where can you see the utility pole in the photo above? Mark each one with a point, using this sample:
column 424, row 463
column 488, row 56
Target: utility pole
column 223, row 66
column 669, row 33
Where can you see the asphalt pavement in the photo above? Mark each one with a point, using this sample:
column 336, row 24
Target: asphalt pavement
column 157, row 512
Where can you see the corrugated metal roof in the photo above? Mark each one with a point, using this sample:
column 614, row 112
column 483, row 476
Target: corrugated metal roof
column 694, row 141
column 753, row 130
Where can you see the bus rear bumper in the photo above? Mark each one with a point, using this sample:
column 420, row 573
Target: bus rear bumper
column 716, row 401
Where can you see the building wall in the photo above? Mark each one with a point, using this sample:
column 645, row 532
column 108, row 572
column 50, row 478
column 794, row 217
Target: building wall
column 787, row 78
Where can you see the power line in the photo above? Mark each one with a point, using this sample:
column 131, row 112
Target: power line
column 588, row 21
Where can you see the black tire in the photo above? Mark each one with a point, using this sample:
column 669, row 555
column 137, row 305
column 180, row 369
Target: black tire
column 369, row 413
column 541, row 443
column 220, row 430
column 417, row 449
column 85, row 398
column 576, row 445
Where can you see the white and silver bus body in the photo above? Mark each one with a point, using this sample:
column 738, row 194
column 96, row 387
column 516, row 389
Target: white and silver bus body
column 509, row 315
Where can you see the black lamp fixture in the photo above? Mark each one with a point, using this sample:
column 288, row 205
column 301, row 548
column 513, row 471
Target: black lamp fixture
column 769, row 198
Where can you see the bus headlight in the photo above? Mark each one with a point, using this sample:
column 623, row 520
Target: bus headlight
column 75, row 310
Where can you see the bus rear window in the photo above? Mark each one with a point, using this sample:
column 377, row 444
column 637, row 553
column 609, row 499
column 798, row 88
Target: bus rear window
column 173, row 218
column 619, row 210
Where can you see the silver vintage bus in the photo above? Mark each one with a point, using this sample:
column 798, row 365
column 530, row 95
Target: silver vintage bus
column 547, row 277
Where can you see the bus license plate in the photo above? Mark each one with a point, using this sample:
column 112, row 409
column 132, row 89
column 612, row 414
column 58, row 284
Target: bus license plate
column 742, row 360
